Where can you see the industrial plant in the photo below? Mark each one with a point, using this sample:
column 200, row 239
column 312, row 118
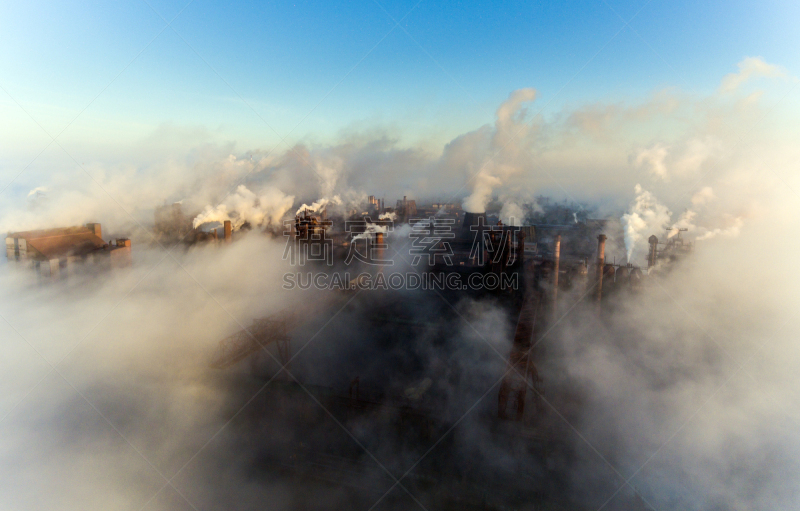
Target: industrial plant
column 56, row 253
column 394, row 358
column 554, row 262
column 393, row 256
column 381, row 370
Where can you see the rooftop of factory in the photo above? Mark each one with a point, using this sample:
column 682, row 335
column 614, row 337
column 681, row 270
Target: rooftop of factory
column 61, row 241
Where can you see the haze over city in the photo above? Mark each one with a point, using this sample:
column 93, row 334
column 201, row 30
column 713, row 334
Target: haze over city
column 378, row 255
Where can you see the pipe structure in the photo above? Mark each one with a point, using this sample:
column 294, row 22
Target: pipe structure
column 556, row 258
column 601, row 260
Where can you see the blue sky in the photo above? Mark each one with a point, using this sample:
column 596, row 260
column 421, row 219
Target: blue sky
column 319, row 67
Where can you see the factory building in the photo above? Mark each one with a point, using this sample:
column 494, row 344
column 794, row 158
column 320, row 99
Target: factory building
column 389, row 378
column 56, row 253
column 406, row 209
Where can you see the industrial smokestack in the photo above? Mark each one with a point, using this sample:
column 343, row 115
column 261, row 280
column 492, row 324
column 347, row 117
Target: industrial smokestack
column 228, row 231
column 556, row 258
column 471, row 219
column 470, row 229
column 95, row 228
column 653, row 255
column 601, row 260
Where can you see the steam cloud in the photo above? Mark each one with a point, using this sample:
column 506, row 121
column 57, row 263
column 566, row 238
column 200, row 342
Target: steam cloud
column 501, row 159
column 646, row 215
column 319, row 205
column 266, row 208
column 370, row 230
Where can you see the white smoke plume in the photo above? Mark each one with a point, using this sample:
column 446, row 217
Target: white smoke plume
column 512, row 213
column 732, row 230
column 329, row 173
column 647, row 216
column 654, row 157
column 704, row 196
column 730, row 224
column 482, row 188
column 265, row 209
column 392, row 216
column 370, row 230
column 37, row 191
column 644, row 217
column 685, row 221
column 501, row 160
column 319, row 205
column 667, row 162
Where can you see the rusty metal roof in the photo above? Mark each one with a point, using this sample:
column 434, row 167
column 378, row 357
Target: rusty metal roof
column 61, row 242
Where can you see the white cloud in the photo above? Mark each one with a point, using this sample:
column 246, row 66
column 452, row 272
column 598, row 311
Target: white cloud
column 653, row 158
column 704, row 196
column 750, row 67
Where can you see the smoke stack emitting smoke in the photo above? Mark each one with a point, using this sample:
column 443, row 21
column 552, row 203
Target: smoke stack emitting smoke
column 645, row 216
column 370, row 231
column 267, row 208
column 501, row 159
column 648, row 375
column 318, row 206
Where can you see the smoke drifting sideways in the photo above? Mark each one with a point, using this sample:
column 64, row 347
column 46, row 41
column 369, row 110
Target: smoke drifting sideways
column 689, row 388
column 267, row 209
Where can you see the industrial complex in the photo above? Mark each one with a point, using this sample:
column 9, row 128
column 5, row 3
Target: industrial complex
column 394, row 359
column 55, row 253
column 396, row 383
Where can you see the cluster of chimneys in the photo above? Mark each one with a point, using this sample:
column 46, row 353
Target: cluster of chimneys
column 378, row 203
column 601, row 269
column 227, row 229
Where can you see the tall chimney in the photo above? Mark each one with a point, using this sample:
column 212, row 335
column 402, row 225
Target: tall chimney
column 601, row 260
column 653, row 255
column 228, row 231
column 556, row 258
column 95, row 228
